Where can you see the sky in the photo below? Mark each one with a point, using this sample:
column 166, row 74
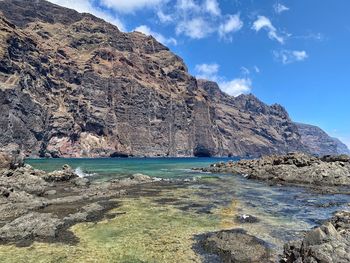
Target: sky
column 292, row 52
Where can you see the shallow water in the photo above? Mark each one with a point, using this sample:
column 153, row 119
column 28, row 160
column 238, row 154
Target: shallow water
column 162, row 226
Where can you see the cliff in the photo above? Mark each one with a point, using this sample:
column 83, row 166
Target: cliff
column 73, row 85
column 319, row 142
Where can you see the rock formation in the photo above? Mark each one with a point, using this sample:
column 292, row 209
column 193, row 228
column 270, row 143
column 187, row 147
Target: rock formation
column 294, row 168
column 236, row 245
column 328, row 243
column 40, row 206
column 318, row 142
column 73, row 85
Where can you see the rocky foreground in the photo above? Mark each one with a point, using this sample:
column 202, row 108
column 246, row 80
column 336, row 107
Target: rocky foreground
column 40, row 206
column 329, row 243
column 328, row 173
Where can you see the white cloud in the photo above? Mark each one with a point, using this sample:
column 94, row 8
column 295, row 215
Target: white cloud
column 162, row 39
column 207, row 71
column 128, row 6
column 164, row 18
column 257, row 69
column 280, row 8
column 236, row 87
column 264, row 23
column 232, row 24
column 290, row 56
column 85, row 6
column 233, row 87
column 187, row 5
column 212, row 7
column 195, row 28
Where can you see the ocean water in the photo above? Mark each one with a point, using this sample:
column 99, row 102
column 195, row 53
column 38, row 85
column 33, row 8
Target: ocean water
column 107, row 168
column 164, row 226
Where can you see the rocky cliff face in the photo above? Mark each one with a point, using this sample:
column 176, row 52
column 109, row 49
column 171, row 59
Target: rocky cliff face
column 319, row 142
column 247, row 126
column 72, row 85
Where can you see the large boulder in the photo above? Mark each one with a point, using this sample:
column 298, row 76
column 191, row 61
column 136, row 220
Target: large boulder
column 11, row 160
column 237, row 246
column 66, row 174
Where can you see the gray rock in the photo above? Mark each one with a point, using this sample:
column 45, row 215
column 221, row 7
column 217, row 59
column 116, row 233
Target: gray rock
column 329, row 243
column 81, row 181
column 30, row 226
column 244, row 219
column 141, row 178
column 293, row 168
column 65, row 174
column 237, row 246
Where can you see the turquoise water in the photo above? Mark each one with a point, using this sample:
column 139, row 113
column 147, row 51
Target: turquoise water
column 284, row 212
column 119, row 167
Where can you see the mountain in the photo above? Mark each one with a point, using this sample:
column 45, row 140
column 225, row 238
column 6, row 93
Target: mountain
column 319, row 142
column 73, row 85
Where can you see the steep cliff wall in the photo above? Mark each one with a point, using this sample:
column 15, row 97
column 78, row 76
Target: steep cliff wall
column 319, row 142
column 73, row 85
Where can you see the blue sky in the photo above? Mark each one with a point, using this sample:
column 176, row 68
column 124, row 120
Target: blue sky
column 292, row 52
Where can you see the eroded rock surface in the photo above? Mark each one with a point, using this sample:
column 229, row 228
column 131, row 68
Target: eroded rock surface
column 319, row 142
column 73, row 85
column 236, row 246
column 329, row 243
column 35, row 205
column 294, row 168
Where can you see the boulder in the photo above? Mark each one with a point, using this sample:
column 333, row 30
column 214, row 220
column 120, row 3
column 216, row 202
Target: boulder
column 11, row 161
column 243, row 219
column 236, row 246
column 141, row 177
column 31, row 225
column 66, row 174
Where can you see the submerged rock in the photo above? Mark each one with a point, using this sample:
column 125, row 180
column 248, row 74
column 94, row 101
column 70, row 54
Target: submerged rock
column 246, row 219
column 236, row 246
column 329, row 243
column 141, row 178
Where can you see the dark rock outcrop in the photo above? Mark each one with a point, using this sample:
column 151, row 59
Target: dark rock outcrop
column 248, row 127
column 318, row 142
column 294, row 168
column 236, row 246
column 329, row 243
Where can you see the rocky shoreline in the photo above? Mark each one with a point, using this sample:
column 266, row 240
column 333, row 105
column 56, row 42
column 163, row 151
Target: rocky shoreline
column 328, row 243
column 40, row 206
column 329, row 174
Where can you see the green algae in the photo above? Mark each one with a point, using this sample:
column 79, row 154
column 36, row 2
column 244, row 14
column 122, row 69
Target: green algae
column 142, row 232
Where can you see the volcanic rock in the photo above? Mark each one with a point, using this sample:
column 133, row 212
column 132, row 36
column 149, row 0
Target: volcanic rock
column 329, row 243
column 236, row 246
column 293, row 168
